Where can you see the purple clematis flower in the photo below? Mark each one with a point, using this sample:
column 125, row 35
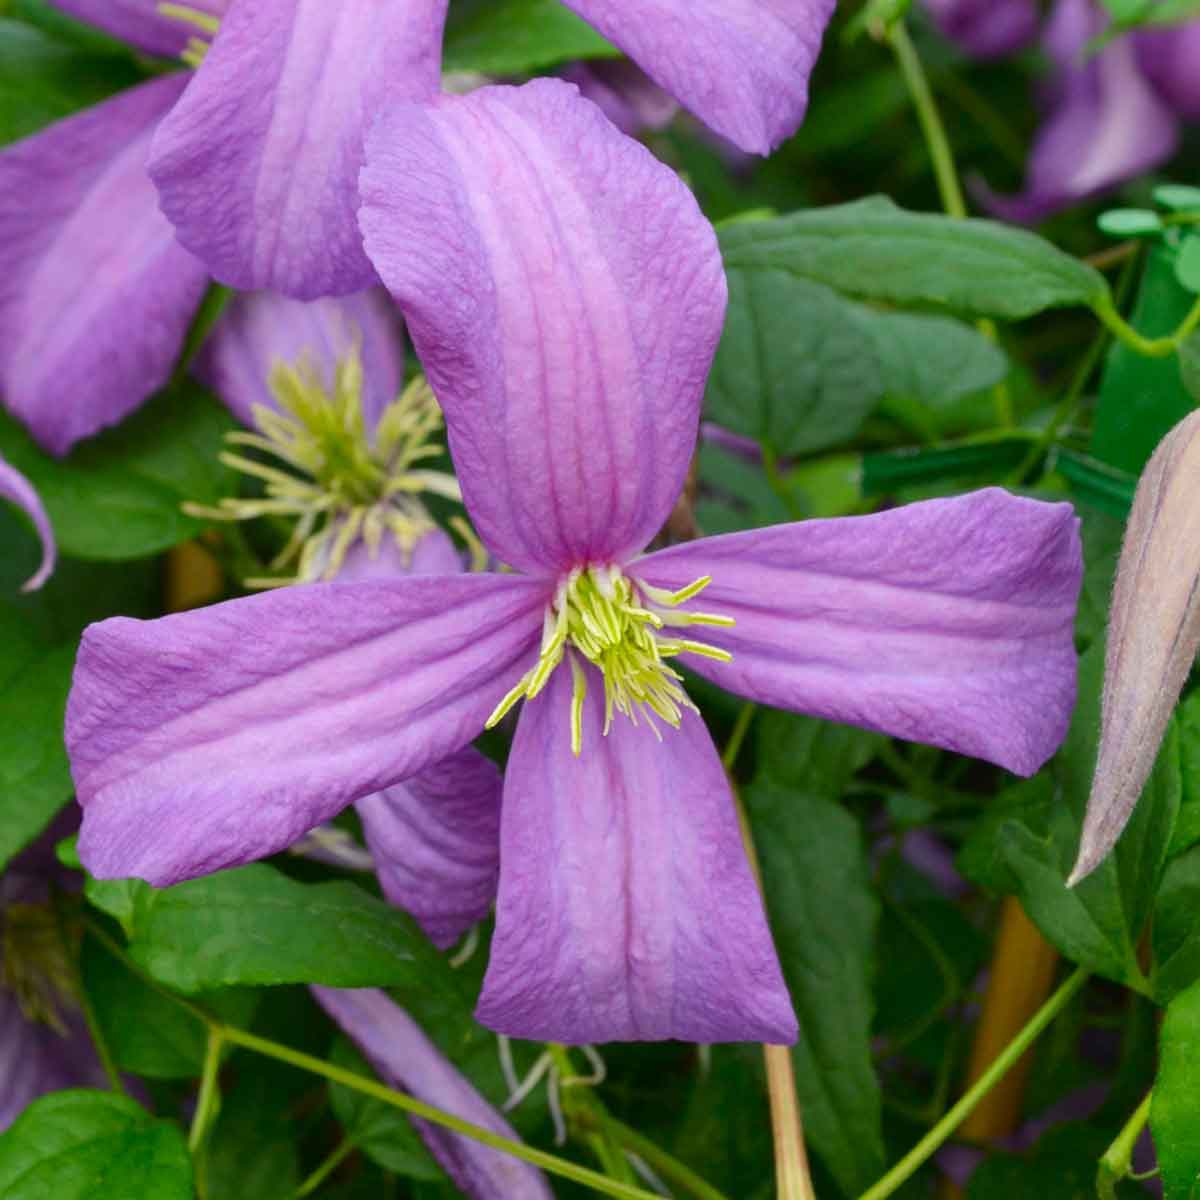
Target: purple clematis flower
column 96, row 294
column 566, row 296
column 1105, row 122
column 986, row 28
column 16, row 488
column 626, row 95
column 405, row 1058
column 1169, row 58
column 257, row 166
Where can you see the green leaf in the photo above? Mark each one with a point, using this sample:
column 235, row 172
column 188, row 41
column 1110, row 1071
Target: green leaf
column 818, row 757
column 1187, row 264
column 816, row 880
column 1105, row 487
column 886, row 472
column 1189, row 365
column 1129, row 222
column 1062, row 1165
column 1187, row 827
column 84, row 1145
column 1173, row 1108
column 43, row 80
column 1176, row 928
column 515, row 37
column 253, row 926
column 795, row 369
column 1142, row 398
column 873, row 249
column 118, row 496
column 379, row 1130
column 1177, row 197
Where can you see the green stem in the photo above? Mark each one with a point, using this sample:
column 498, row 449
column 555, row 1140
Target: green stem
column 941, row 1132
column 671, row 1169
column 740, row 728
column 1117, row 1161
column 209, row 1097
column 775, row 480
column 1159, row 347
column 435, row 1116
column 327, row 1168
column 584, row 1115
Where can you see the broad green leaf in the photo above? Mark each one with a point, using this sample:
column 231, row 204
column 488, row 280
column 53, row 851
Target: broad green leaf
column 118, row 496
column 795, row 370
column 1142, row 398
column 888, row 471
column 1173, row 1108
column 1189, row 366
column 252, row 1150
column 253, row 925
column 1176, row 927
column 816, row 880
column 43, row 79
column 811, row 755
column 1130, row 222
column 873, row 249
column 513, row 37
column 1187, row 264
column 1178, row 197
column 83, row 1145
column 1105, row 487
column 379, row 1130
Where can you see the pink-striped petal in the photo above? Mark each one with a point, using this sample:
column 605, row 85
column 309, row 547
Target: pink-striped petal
column 257, row 166
column 627, row 910
column 217, row 736
column 565, row 295
column 741, row 66
column 95, row 292
column 948, row 621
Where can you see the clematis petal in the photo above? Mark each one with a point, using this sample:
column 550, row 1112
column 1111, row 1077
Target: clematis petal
column 257, row 166
column 1169, row 57
column 436, row 843
column 213, row 737
column 1105, row 124
column 95, row 293
column 15, row 487
column 261, row 329
column 985, row 28
column 140, row 23
column 627, row 910
column 626, row 95
column 948, row 621
column 741, row 66
column 35, row 1059
column 565, row 295
column 405, row 1058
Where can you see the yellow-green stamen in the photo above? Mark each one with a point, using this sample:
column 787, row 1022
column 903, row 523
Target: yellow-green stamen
column 616, row 624
column 197, row 47
column 340, row 482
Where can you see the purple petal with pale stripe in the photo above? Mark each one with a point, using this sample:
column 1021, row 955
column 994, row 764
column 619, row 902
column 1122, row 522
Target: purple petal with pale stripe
column 741, row 66
column 139, row 22
column 565, row 295
column 627, row 910
column 948, row 621
column 1170, row 57
column 15, row 487
column 95, row 292
column 261, row 329
column 1105, row 125
column 213, row 737
column 406, row 1059
column 257, row 166
column 436, row 843
column 986, row 28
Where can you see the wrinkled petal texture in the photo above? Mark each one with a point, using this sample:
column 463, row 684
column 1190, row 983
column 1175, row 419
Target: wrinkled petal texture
column 261, row 329
column 405, row 1058
column 95, row 292
column 1105, row 125
column 139, row 22
column 986, row 28
column 627, row 910
column 213, row 737
column 1170, row 57
column 948, row 621
column 15, row 487
column 436, row 843
column 257, row 166
column 741, row 66
column 565, row 296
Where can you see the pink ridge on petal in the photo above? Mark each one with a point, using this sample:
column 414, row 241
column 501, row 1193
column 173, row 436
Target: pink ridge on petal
column 948, row 621
column 627, row 910
column 257, row 166
column 565, row 295
column 15, row 487
column 213, row 737
column 741, row 66
column 96, row 294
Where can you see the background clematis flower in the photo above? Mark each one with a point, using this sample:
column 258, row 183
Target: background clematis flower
column 96, row 294
column 568, row 319
column 1105, row 122
column 17, row 489
column 1169, row 58
column 626, row 95
column 406, row 1059
column 986, row 28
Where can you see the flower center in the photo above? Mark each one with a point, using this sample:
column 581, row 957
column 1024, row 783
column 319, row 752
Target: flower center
column 622, row 628
column 34, row 964
column 336, row 479
column 197, row 47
